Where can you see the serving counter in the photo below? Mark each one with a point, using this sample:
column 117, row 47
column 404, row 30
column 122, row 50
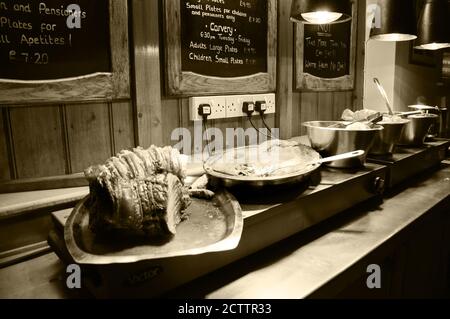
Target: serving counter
column 287, row 250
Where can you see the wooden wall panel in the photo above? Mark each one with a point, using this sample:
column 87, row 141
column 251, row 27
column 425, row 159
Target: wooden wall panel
column 358, row 96
column 296, row 127
column 171, row 119
column 341, row 102
column 38, row 143
column 183, row 106
column 285, row 70
column 4, row 156
column 325, row 106
column 223, row 125
column 148, row 82
column 121, row 114
column 89, row 137
column 309, row 108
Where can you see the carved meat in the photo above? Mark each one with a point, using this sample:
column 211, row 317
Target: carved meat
column 141, row 191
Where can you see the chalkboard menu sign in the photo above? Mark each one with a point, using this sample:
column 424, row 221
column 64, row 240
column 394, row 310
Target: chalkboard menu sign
column 224, row 38
column 325, row 55
column 53, row 39
column 63, row 50
column 327, row 50
column 220, row 46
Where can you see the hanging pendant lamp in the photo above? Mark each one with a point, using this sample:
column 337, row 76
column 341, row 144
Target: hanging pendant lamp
column 397, row 21
column 434, row 26
column 321, row 11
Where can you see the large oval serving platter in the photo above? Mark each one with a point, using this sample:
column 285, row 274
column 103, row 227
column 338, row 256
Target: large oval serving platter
column 212, row 225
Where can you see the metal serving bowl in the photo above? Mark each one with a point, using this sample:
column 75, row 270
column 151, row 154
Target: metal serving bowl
column 329, row 141
column 387, row 139
column 417, row 129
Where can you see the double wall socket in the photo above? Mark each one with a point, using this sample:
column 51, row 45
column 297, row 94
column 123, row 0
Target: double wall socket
column 217, row 103
column 229, row 106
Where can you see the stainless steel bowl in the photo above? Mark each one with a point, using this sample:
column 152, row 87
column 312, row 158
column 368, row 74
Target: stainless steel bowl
column 329, row 141
column 417, row 129
column 387, row 139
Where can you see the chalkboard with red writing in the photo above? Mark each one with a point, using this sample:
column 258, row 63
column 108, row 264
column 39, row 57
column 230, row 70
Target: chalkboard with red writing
column 327, row 50
column 54, row 39
column 224, row 38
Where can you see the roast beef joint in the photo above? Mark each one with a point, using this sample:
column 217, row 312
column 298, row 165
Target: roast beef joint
column 139, row 191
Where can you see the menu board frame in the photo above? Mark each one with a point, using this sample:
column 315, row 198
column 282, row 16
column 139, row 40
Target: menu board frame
column 308, row 82
column 183, row 83
column 102, row 86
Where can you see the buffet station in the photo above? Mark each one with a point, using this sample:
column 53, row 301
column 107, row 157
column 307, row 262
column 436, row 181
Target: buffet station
column 154, row 221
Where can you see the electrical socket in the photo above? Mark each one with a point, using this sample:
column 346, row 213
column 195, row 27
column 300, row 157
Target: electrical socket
column 234, row 103
column 217, row 103
column 270, row 101
column 229, row 106
column 234, row 109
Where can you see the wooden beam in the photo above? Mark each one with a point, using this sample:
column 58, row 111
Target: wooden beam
column 147, row 79
column 284, row 74
column 358, row 95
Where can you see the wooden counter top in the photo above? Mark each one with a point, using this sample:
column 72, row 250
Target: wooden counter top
column 297, row 267
column 12, row 204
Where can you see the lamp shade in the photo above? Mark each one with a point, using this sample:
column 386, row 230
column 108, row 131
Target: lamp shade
column 397, row 21
column 321, row 11
column 434, row 26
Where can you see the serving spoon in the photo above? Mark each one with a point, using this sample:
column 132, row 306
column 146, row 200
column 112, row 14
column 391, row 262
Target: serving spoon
column 384, row 95
column 329, row 159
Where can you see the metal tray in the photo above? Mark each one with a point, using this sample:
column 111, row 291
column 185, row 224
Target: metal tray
column 300, row 175
column 212, row 225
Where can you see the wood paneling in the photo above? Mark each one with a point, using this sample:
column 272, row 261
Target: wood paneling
column 89, row 137
column 325, row 106
column 309, row 110
column 358, row 96
column 183, row 105
column 147, row 72
column 284, row 100
column 171, row 119
column 4, row 157
column 341, row 101
column 121, row 116
column 37, row 140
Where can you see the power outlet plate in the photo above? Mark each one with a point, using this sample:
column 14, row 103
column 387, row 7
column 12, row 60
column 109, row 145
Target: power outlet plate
column 236, row 102
column 229, row 106
column 217, row 103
